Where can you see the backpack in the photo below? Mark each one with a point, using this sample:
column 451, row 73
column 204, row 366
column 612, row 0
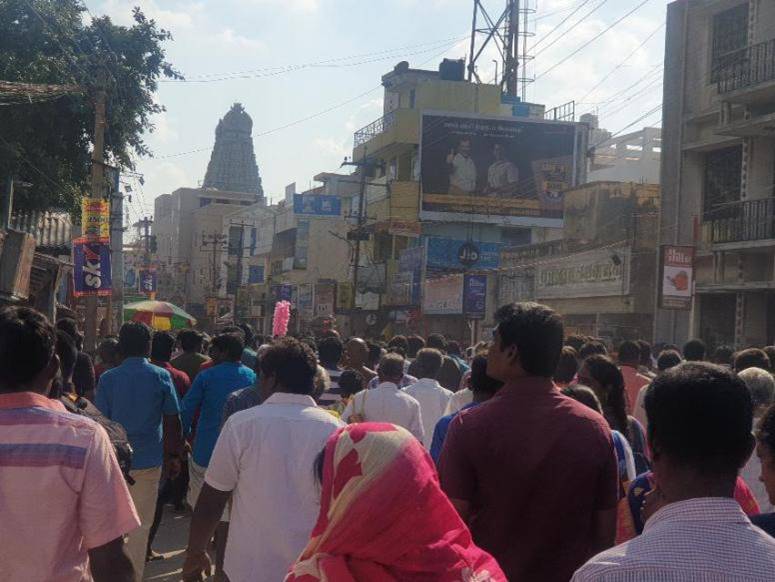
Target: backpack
column 116, row 433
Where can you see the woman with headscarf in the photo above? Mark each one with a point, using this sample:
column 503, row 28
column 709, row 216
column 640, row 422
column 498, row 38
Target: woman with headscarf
column 414, row 534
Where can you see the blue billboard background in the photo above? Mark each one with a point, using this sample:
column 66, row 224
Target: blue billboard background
column 443, row 255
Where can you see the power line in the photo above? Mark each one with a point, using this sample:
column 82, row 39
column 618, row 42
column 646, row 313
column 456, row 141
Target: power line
column 575, row 24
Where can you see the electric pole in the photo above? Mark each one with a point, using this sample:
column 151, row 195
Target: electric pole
column 240, row 253
column 214, row 242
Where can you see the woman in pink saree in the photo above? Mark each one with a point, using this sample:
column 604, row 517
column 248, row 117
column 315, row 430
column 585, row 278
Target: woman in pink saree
column 384, row 518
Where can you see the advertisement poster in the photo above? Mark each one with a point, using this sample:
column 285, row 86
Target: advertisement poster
column 283, row 292
column 91, row 267
column 317, row 205
column 255, row 274
column 595, row 273
column 148, row 281
column 305, row 300
column 410, row 262
column 95, row 218
column 475, row 296
column 447, row 254
column 444, row 296
column 324, row 298
column 488, row 169
column 677, row 277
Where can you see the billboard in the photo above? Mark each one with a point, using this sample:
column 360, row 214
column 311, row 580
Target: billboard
column 475, row 296
column 317, row 205
column 410, row 262
column 255, row 274
column 444, row 296
column 148, row 281
column 677, row 277
column 452, row 254
column 91, row 267
column 325, row 298
column 493, row 169
column 595, row 273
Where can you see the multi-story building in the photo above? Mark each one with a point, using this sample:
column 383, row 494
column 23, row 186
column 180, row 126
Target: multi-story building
column 718, row 168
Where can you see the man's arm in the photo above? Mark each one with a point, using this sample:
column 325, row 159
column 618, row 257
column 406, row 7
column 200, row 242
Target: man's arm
column 110, row 563
column 173, row 434
column 207, row 513
column 191, row 402
column 604, row 516
column 456, row 473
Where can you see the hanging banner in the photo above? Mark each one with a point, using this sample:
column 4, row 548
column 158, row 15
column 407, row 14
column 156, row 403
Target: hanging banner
column 91, row 267
column 148, row 281
column 475, row 296
column 95, row 218
column 677, row 277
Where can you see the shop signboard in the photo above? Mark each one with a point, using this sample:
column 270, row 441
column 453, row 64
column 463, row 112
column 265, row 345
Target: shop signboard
column 91, row 267
column 454, row 254
column 593, row 273
column 444, row 295
column 475, row 296
column 305, row 305
column 676, row 277
column 317, row 205
column 325, row 292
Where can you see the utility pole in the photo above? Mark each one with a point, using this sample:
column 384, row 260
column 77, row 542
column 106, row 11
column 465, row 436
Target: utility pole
column 144, row 226
column 240, row 252
column 6, row 209
column 97, row 189
column 116, row 257
column 214, row 242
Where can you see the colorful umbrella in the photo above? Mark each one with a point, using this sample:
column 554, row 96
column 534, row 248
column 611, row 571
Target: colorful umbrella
column 159, row 315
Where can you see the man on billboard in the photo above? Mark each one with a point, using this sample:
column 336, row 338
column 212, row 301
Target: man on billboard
column 502, row 175
column 462, row 170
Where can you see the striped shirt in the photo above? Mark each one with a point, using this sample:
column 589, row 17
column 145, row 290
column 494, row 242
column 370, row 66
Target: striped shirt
column 706, row 539
column 61, row 490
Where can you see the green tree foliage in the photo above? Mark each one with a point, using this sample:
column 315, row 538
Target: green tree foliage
column 46, row 141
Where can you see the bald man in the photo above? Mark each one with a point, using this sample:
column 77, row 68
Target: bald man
column 356, row 354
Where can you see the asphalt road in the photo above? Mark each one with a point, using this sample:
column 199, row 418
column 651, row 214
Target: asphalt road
column 171, row 542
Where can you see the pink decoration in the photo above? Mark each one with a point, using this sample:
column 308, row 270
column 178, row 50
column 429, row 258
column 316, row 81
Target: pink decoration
column 282, row 315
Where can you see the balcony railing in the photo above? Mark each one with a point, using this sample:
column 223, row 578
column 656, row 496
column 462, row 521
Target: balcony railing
column 740, row 221
column 374, row 129
column 747, row 67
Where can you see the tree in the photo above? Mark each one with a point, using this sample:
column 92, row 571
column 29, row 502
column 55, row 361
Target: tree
column 47, row 142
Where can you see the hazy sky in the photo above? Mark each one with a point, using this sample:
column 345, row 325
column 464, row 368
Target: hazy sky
column 350, row 45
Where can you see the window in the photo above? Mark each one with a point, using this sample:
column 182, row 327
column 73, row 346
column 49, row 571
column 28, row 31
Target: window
column 235, row 241
column 412, row 98
column 730, row 35
column 205, row 202
column 722, row 179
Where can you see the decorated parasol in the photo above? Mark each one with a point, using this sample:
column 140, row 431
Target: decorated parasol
column 159, row 315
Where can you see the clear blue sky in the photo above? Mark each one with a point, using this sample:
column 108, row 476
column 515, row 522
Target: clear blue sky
column 363, row 39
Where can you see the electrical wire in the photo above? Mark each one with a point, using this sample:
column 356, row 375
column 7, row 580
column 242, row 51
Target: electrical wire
column 575, row 24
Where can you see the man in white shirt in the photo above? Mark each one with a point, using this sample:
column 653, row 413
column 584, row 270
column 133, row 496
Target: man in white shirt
column 428, row 392
column 264, row 460
column 387, row 402
column 462, row 170
column 502, row 175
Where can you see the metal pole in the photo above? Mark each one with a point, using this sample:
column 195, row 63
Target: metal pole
column 361, row 216
column 512, row 47
column 7, row 203
column 473, row 42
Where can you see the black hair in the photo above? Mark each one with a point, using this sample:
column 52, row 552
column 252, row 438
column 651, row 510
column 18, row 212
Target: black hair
column 607, row 374
column 536, row 331
column 292, row 363
column 629, row 352
column 751, row 358
column 700, row 415
column 259, row 340
column 190, row 340
column 568, row 365
column 770, row 351
column 428, row 363
column 591, row 348
column 234, row 329
column 481, row 383
column 374, row 353
column 108, row 347
column 317, row 466
column 391, row 366
column 70, row 327
column 162, row 345
column 350, row 382
column 585, row 395
column 668, row 359
column 68, row 354
column 310, row 341
column 399, row 341
column 645, row 352
column 230, row 345
column 453, row 347
column 765, row 430
column 134, row 340
column 437, row 341
column 575, row 341
column 694, row 350
column 330, row 351
column 27, row 344
column 397, row 350
column 247, row 332
column 415, row 343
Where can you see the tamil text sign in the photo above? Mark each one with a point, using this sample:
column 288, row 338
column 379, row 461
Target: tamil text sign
column 95, row 218
column 444, row 296
column 677, row 280
column 595, row 273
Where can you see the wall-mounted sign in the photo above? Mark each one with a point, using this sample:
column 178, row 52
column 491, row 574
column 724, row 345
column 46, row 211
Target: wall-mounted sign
column 444, row 296
column 317, row 205
column 595, row 273
column 677, row 277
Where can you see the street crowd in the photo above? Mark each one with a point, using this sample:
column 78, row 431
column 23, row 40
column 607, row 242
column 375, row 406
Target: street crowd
column 533, row 456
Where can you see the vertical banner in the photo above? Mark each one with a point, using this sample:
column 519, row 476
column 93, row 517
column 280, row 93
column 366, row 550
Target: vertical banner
column 91, row 267
column 95, row 218
column 676, row 277
column 475, row 296
column 148, row 281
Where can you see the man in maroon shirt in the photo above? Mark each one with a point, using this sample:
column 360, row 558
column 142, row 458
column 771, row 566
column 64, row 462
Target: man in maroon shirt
column 161, row 353
column 532, row 472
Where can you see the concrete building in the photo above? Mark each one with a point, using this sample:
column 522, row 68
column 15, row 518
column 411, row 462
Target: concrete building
column 718, row 168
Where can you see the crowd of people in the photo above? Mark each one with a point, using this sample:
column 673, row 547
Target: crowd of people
column 532, row 456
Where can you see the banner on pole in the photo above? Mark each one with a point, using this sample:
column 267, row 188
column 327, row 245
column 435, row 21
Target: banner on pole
column 148, row 281
column 91, row 267
column 95, row 218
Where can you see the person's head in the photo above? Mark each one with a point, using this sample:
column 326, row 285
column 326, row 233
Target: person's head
column 723, row 356
column 453, row 348
column 603, row 376
column 761, row 386
column 765, row 449
column 376, row 351
column 567, row 367
column 28, row 360
column 699, row 428
column 288, row 365
column 575, row 341
column 399, row 341
column 108, row 353
column 415, row 344
column 591, row 348
column 645, row 353
column 527, row 342
column 751, row 358
column 190, row 341
column 438, row 342
column 227, row 347
column 70, row 327
column 428, row 363
column 483, row 386
column 585, row 395
column 464, row 147
column 134, row 340
column 391, row 368
column 694, row 350
column 350, row 382
column 629, row 353
column 321, row 382
column 668, row 359
column 330, row 351
column 357, row 352
column 249, row 335
column 68, row 354
column 497, row 151
column 162, row 345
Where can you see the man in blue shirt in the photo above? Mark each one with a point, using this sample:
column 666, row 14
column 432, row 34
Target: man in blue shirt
column 483, row 388
column 208, row 394
column 142, row 398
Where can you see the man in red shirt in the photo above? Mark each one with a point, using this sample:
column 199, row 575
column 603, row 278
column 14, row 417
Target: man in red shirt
column 161, row 353
column 532, row 472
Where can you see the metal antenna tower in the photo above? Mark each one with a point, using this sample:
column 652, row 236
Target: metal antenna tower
column 505, row 33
